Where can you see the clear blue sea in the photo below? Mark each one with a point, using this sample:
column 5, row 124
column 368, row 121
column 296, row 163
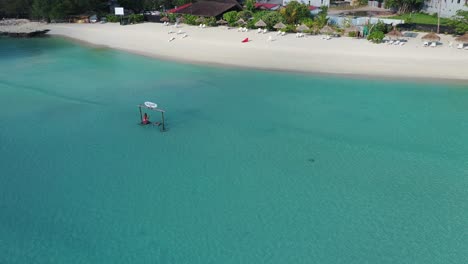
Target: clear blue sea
column 256, row 167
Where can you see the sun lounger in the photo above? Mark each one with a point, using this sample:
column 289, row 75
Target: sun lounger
column 265, row 31
column 184, row 36
column 466, row 48
column 396, row 42
column 170, row 31
column 204, row 26
column 390, row 42
column 433, row 44
column 460, row 46
column 401, row 43
column 426, row 44
column 259, row 30
column 171, row 39
column 283, row 33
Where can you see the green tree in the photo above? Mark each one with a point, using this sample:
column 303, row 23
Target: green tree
column 272, row 18
column 246, row 15
column 321, row 18
column 250, row 5
column 405, row 6
column 295, row 12
column 460, row 22
column 230, row 17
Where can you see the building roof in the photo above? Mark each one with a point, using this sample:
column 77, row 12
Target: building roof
column 312, row 8
column 266, row 6
column 208, row 8
column 176, row 9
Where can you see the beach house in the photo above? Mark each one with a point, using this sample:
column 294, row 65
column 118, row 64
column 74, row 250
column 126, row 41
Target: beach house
column 208, row 8
column 448, row 8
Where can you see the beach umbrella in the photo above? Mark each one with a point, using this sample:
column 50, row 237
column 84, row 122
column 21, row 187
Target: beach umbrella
column 394, row 34
column 462, row 39
column 241, row 22
column 221, row 22
column 164, row 19
column 279, row 26
column 302, row 28
column 431, row 37
column 351, row 29
column 181, row 19
column 327, row 30
column 200, row 20
column 260, row 23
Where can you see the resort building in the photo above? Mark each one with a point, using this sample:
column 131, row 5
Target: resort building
column 208, row 8
column 448, row 8
column 316, row 3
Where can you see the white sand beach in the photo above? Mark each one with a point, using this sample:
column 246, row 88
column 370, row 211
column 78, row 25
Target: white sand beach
column 310, row 54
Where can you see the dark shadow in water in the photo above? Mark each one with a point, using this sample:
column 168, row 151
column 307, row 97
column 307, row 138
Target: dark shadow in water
column 49, row 93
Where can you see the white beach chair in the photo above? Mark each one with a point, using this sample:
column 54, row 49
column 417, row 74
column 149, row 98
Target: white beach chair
column 171, row 39
column 297, row 35
column 283, row 33
column 450, row 44
column 270, row 38
column 204, row 26
column 433, row 44
column 184, row 36
column 259, row 30
column 390, row 42
column 200, row 26
column 466, row 48
column 402, row 43
column 170, row 31
column 179, row 32
column 460, row 46
column 265, row 31
column 396, row 42
column 328, row 37
column 426, row 44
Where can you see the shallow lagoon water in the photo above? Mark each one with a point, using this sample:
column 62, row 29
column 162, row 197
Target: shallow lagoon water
column 257, row 167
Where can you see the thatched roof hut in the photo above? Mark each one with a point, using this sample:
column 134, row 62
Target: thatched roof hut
column 302, row 28
column 431, row 37
column 394, row 34
column 260, row 23
column 327, row 30
column 462, row 39
column 221, row 22
column 279, row 26
column 241, row 22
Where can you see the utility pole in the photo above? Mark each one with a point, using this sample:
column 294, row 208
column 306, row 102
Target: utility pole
column 438, row 16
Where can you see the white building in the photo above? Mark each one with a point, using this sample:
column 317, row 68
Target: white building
column 448, row 8
column 317, row 3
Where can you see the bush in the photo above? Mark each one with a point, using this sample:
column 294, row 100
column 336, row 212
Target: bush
column 376, row 36
column 272, row 18
column 246, row 15
column 231, row 18
column 290, row 29
column 190, row 19
column 460, row 22
column 136, row 18
column 112, row 18
column 352, row 34
column 381, row 26
column 172, row 17
column 210, row 21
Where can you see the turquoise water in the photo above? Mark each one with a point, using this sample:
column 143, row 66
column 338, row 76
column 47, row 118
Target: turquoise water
column 257, row 167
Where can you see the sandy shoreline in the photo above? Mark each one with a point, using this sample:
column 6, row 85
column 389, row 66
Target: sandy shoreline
column 220, row 46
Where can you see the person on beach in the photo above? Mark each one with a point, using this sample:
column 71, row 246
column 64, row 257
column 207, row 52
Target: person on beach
column 145, row 119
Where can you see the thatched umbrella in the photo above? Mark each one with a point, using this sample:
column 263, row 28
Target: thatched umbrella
column 431, row 37
column 260, row 24
column 181, row 19
column 302, row 28
column 394, row 34
column 279, row 26
column 164, row 19
column 462, row 39
column 241, row 22
column 200, row 20
column 327, row 30
column 221, row 22
column 352, row 29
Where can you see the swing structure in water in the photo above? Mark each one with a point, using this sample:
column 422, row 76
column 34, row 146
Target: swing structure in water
column 154, row 107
